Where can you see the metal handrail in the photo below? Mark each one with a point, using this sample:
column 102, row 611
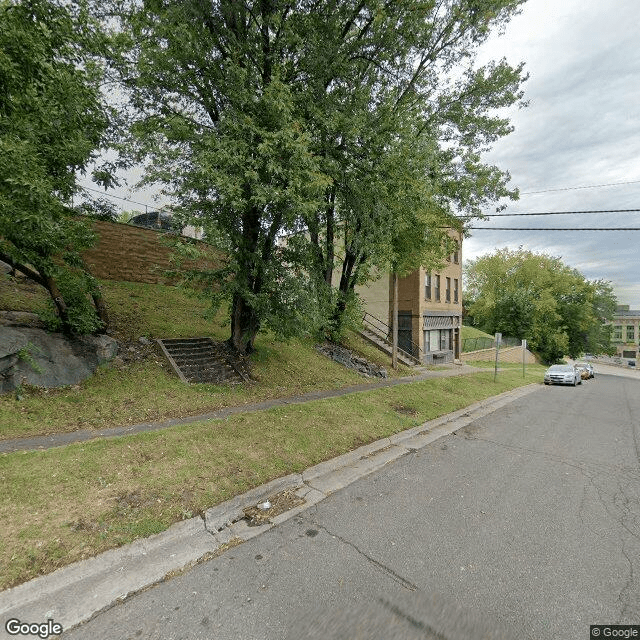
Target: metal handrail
column 384, row 331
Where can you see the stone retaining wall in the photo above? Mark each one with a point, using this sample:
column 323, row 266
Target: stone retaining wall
column 125, row 252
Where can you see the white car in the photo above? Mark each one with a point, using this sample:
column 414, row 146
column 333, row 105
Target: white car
column 562, row 374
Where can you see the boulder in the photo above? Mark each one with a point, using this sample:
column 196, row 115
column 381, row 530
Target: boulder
column 351, row 361
column 44, row 359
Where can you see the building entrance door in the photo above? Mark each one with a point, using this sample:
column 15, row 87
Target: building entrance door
column 405, row 331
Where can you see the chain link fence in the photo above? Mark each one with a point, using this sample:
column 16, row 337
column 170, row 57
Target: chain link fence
column 479, row 343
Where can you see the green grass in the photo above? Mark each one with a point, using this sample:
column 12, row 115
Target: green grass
column 65, row 504
column 149, row 390
column 68, row 503
column 472, row 332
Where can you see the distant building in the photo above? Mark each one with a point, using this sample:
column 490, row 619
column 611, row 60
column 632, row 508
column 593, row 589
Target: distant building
column 163, row 221
column 625, row 335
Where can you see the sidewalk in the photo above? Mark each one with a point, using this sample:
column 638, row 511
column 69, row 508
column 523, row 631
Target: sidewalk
column 73, row 594
column 82, row 435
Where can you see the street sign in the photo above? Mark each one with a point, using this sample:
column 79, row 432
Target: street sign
column 498, row 338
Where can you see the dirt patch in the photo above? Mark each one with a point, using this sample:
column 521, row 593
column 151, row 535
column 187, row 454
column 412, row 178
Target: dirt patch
column 280, row 502
column 405, row 411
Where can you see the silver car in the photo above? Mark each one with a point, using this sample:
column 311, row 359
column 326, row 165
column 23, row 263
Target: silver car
column 562, row 374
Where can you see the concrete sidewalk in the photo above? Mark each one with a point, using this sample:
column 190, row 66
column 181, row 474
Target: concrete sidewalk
column 74, row 594
column 82, row 435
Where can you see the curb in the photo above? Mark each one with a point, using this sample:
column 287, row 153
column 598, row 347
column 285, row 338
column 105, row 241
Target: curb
column 74, row 594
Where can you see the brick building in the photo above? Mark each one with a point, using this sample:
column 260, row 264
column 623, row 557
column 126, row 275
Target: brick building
column 429, row 309
column 625, row 335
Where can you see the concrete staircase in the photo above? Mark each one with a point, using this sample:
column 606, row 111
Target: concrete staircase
column 386, row 347
column 201, row 360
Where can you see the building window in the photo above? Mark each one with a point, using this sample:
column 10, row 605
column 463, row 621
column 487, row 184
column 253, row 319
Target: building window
column 437, row 287
column 456, row 256
column 427, row 286
column 617, row 333
column 438, row 340
column 630, row 333
column 448, row 290
column 455, row 289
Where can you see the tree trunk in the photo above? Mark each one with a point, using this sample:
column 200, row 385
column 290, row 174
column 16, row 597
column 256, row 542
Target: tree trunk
column 58, row 300
column 101, row 309
column 245, row 325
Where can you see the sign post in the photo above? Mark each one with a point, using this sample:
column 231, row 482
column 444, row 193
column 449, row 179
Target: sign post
column 498, row 339
column 524, row 355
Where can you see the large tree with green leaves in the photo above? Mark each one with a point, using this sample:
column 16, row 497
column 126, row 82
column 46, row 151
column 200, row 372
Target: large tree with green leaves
column 52, row 121
column 539, row 298
column 327, row 121
column 400, row 116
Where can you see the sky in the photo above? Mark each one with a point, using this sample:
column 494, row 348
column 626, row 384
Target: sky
column 581, row 128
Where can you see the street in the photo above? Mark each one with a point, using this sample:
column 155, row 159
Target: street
column 526, row 522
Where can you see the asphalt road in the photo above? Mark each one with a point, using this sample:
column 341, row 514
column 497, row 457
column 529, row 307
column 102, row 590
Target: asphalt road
column 528, row 521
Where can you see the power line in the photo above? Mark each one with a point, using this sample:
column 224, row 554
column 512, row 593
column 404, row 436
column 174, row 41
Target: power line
column 553, row 213
column 592, row 186
column 555, row 228
column 562, row 213
column 108, row 195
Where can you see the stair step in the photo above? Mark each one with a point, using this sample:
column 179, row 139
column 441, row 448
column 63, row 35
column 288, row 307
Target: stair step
column 199, row 360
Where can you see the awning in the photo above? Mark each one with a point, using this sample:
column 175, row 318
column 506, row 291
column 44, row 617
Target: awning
column 440, row 322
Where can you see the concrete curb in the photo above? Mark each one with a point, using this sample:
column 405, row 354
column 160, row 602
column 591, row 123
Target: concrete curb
column 73, row 594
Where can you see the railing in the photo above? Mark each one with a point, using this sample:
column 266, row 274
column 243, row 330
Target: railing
column 479, row 343
column 384, row 331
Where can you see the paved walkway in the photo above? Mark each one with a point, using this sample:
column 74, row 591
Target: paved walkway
column 82, row 435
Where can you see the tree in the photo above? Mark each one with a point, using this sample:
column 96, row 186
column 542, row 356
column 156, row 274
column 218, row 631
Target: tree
column 215, row 115
column 52, row 121
column 399, row 134
column 266, row 118
column 539, row 298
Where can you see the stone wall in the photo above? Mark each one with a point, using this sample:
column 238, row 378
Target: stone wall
column 125, row 252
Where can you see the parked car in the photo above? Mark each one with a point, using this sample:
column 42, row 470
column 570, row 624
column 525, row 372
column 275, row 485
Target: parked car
column 586, row 370
column 562, row 374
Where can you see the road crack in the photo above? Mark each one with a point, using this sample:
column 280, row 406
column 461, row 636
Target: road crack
column 378, row 565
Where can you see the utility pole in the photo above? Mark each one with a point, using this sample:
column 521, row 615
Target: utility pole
column 498, row 339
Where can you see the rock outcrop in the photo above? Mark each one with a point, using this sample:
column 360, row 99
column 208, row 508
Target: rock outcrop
column 351, row 361
column 33, row 356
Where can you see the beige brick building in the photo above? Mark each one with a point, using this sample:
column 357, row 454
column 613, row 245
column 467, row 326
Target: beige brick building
column 429, row 309
column 625, row 336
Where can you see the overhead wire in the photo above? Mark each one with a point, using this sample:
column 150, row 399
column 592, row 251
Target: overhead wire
column 554, row 228
column 591, row 186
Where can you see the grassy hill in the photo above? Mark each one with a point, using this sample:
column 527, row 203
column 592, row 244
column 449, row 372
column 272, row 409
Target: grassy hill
column 140, row 385
column 474, row 339
column 70, row 502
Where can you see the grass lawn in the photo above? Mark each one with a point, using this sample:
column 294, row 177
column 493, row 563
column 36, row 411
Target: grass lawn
column 65, row 504
column 68, row 503
column 148, row 390
column 472, row 332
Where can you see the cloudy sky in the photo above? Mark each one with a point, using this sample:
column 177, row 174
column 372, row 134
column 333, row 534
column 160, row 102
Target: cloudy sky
column 582, row 128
